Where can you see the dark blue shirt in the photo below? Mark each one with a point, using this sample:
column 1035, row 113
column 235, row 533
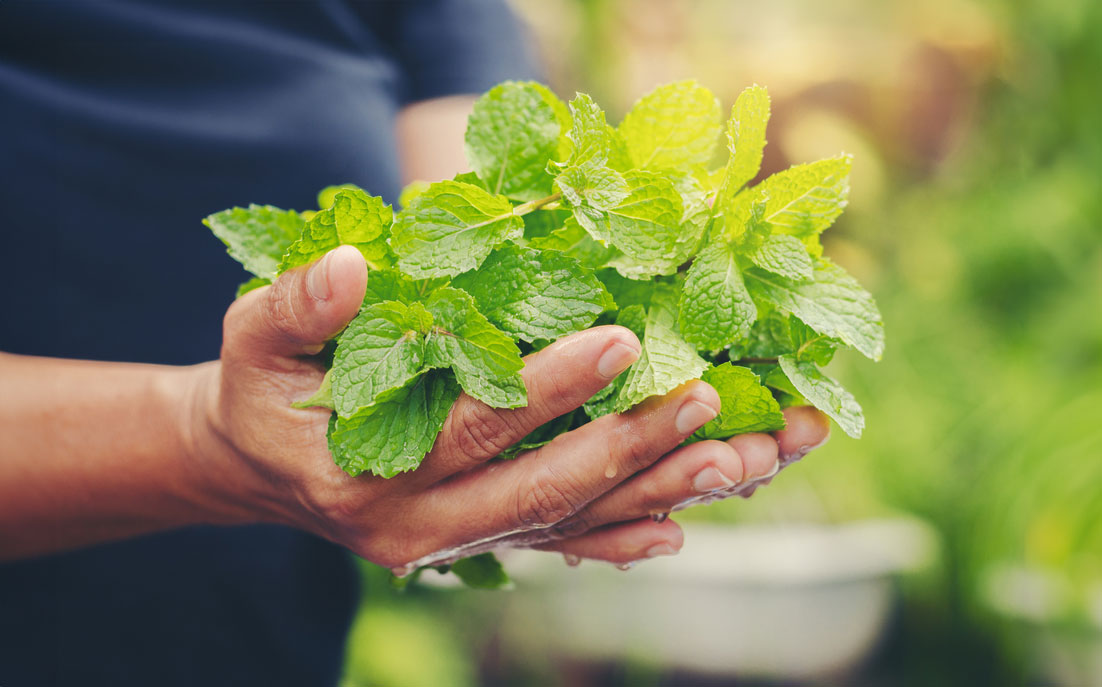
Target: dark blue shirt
column 123, row 124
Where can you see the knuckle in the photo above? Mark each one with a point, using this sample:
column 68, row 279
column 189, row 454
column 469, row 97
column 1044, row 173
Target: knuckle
column 550, row 499
column 479, row 433
column 279, row 306
column 652, row 497
column 553, row 394
column 632, row 446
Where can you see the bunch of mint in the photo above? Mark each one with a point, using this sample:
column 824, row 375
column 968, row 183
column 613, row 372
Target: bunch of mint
column 565, row 222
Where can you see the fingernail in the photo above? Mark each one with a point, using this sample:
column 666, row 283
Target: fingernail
column 663, row 549
column 774, row 468
column 692, row 416
column 626, row 566
column 801, row 452
column 572, row 560
column 616, row 359
column 317, row 279
column 710, row 479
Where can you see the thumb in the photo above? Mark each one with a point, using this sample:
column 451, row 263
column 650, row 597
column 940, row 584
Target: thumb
column 301, row 310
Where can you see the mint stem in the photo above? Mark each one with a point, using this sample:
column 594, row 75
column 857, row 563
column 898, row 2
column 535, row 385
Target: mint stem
column 533, row 205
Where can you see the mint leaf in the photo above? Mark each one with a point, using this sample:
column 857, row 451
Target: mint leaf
column 783, row 255
column 483, row 571
column 256, row 236
column 746, row 405
column 322, row 398
column 588, row 186
column 485, row 359
column 411, row 191
column 381, row 349
column 533, row 294
column 251, row 285
column 633, row 317
column 328, row 195
column 572, row 240
column 355, row 219
column 673, row 126
column 666, row 360
column 715, row 307
column 395, row 433
column 451, row 228
column 801, row 201
column 646, row 226
column 746, row 138
column 825, row 394
column 514, row 130
column 834, row 304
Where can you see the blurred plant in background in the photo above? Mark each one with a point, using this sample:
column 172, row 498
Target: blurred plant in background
column 976, row 220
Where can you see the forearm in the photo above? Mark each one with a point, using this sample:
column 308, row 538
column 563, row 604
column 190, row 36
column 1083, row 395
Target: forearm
column 93, row 451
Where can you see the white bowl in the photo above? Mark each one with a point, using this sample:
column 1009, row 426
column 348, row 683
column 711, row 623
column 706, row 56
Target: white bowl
column 776, row 601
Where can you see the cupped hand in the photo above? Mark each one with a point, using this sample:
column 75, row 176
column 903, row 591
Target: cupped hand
column 588, row 493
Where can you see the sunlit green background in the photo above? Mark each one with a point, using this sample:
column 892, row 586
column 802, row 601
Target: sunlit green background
column 976, row 220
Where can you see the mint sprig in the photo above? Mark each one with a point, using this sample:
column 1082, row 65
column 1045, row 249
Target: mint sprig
column 567, row 221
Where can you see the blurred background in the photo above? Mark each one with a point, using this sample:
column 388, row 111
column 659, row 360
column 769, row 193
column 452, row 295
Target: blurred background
column 959, row 542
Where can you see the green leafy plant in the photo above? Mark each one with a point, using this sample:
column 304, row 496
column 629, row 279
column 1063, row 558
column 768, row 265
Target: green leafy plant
column 567, row 221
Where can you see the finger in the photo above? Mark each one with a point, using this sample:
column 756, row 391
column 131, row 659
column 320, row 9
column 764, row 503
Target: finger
column 544, row 487
column 559, row 378
column 690, row 473
column 806, row 429
column 624, row 543
column 300, row 311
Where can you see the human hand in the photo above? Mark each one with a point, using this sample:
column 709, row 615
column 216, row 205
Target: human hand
column 589, row 491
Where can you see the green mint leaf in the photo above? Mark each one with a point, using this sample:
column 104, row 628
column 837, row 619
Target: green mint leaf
column 572, row 240
column 252, row 285
column 483, row 571
column 715, row 307
column 746, row 138
column 514, row 130
column 810, row 345
column 395, row 433
column 328, row 195
column 450, row 229
column 256, row 236
column 633, row 317
column 532, row 294
column 411, row 191
column 355, row 219
column 673, row 126
column 784, row 255
column 322, row 398
column 486, row 361
column 666, row 361
column 590, row 190
column 540, row 436
column 588, row 186
column 745, row 405
column 833, row 304
column 381, row 349
column 543, row 223
column 646, row 226
column 801, row 201
column 392, row 285
column 825, row 394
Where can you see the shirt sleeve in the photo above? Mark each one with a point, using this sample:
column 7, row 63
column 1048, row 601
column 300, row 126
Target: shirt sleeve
column 450, row 47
